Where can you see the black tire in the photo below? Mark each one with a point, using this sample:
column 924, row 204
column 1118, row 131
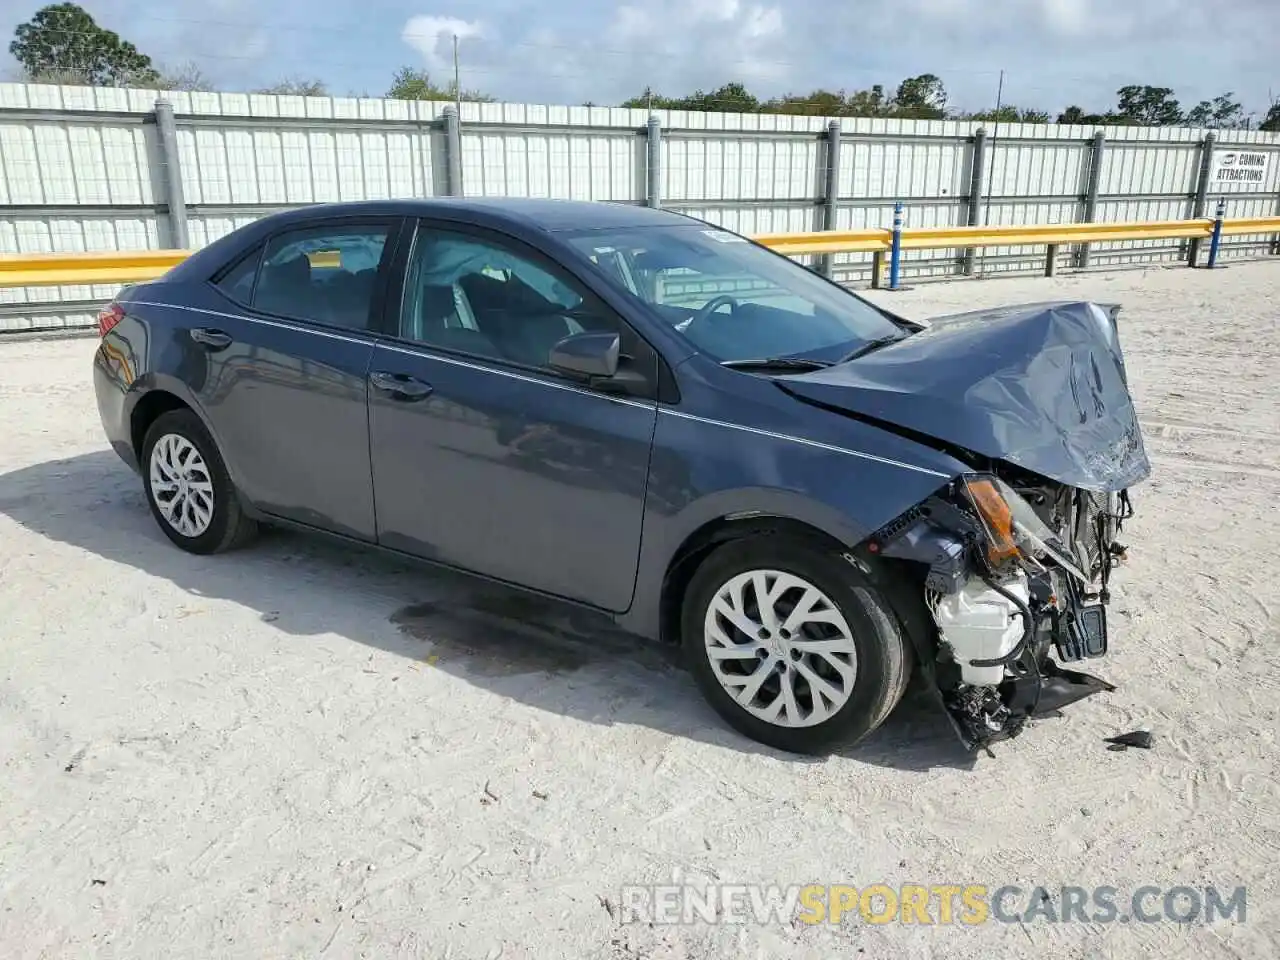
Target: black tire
column 884, row 656
column 228, row 526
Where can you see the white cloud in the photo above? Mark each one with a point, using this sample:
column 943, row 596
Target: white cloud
column 1070, row 17
column 679, row 45
column 940, row 9
column 762, row 22
column 433, row 37
column 632, row 23
column 1052, row 52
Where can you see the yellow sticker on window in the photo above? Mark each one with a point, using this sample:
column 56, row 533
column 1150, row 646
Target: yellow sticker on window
column 325, row 259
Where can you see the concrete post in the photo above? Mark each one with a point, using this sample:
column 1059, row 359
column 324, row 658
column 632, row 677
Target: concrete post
column 831, row 192
column 1202, row 193
column 1091, row 193
column 1051, row 260
column 453, row 149
column 171, row 174
column 653, row 154
column 977, row 166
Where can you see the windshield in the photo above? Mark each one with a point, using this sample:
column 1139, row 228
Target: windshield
column 733, row 300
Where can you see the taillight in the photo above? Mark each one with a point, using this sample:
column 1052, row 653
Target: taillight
column 110, row 315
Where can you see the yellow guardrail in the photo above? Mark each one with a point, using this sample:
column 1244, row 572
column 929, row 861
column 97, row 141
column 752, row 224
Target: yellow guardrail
column 61, row 269
column 1243, row 225
column 1015, row 235
column 827, row 241
column 1028, row 235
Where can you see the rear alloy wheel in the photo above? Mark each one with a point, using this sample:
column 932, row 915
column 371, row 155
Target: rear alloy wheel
column 792, row 644
column 180, row 485
column 188, row 488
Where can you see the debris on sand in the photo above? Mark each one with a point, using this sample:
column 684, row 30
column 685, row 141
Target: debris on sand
column 1138, row 738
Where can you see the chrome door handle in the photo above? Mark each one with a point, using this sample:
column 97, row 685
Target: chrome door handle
column 400, row 385
column 213, row 339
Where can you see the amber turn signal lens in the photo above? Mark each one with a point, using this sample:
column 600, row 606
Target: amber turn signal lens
column 995, row 513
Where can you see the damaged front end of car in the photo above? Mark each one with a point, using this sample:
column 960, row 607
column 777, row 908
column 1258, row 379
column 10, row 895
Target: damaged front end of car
column 1013, row 558
column 1017, row 585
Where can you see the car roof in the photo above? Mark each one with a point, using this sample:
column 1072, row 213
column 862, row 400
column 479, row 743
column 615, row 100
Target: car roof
column 536, row 213
column 525, row 214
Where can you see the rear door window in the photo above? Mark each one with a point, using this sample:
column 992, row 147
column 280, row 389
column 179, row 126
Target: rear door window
column 328, row 274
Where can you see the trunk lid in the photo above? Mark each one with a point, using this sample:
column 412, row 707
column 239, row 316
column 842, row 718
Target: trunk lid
column 1042, row 386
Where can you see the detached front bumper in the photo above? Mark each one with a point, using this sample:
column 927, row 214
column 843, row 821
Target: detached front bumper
column 991, row 696
column 1013, row 601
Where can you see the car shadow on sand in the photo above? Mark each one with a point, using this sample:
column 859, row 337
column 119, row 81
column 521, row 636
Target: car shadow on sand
column 551, row 656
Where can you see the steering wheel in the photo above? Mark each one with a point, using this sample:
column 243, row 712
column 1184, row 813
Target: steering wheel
column 708, row 308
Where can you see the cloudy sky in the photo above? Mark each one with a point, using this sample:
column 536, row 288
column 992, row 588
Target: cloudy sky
column 1054, row 52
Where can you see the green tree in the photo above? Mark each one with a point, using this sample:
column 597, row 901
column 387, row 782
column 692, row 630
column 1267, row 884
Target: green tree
column 1147, row 106
column 1221, row 113
column 648, row 99
column 825, row 103
column 1077, row 115
column 411, row 84
column 1008, row 113
column 730, row 98
column 867, row 103
column 920, row 98
column 63, row 44
column 819, row 103
column 1272, row 120
column 187, row 76
column 734, row 97
column 297, row 87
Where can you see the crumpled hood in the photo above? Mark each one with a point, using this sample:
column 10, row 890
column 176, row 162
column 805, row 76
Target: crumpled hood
column 1042, row 386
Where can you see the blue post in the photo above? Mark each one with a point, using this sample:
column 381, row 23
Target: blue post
column 895, row 251
column 1216, row 239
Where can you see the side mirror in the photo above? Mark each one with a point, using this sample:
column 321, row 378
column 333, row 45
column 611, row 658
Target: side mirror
column 591, row 354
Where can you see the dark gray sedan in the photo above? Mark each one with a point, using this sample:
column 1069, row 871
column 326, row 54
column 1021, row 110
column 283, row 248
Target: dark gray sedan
column 653, row 417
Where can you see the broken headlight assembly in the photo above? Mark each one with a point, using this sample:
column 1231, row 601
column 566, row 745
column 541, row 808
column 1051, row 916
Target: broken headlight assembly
column 1002, row 588
column 1013, row 529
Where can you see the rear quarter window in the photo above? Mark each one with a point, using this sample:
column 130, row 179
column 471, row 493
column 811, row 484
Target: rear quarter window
column 237, row 280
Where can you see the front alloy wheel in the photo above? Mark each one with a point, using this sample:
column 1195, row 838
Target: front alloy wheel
column 780, row 648
column 793, row 645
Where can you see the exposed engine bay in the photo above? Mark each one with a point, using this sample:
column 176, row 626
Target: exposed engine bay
column 1017, row 584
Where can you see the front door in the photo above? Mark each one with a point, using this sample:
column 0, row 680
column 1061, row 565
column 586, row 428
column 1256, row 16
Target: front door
column 285, row 363
column 485, row 458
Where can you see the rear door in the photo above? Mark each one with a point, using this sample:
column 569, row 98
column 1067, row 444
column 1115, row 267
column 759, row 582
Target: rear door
column 483, row 456
column 284, row 370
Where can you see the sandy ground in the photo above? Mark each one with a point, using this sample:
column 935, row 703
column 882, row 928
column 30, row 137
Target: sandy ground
column 302, row 751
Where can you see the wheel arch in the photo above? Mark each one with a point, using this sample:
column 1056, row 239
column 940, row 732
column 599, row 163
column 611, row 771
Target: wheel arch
column 153, row 395
column 706, row 538
column 150, row 407
column 899, row 581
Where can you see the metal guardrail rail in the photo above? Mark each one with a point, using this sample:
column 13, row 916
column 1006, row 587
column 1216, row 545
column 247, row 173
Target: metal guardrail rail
column 64, row 269
column 67, row 269
column 1020, row 235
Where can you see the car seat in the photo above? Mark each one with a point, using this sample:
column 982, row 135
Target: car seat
column 522, row 323
column 348, row 298
column 285, row 288
column 438, row 323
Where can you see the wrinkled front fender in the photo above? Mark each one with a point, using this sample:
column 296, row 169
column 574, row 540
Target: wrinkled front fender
column 705, row 472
